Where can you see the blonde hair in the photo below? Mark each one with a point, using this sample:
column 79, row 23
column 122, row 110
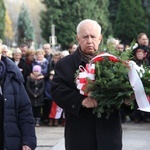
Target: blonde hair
column 39, row 51
column 17, row 50
column 29, row 52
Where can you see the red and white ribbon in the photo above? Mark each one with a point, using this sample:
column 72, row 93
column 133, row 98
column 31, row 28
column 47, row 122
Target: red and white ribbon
column 89, row 71
column 86, row 73
column 135, row 81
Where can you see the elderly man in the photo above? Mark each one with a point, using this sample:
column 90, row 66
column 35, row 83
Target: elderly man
column 83, row 130
column 48, row 51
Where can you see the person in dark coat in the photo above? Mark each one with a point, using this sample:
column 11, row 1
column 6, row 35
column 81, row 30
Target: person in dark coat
column 17, row 130
column 140, row 58
column 35, row 88
column 20, row 62
column 83, row 130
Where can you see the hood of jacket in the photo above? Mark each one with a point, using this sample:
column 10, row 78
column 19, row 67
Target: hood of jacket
column 12, row 70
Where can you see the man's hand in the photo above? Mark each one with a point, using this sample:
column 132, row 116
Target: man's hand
column 89, row 103
column 25, row 147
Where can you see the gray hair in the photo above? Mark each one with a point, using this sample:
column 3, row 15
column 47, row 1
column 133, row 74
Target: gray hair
column 87, row 21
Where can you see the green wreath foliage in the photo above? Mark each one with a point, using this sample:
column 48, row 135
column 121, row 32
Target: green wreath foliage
column 111, row 86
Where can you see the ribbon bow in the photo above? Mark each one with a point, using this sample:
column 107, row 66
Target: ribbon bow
column 88, row 73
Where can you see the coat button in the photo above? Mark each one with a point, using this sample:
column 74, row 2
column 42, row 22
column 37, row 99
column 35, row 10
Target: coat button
column 73, row 106
column 5, row 99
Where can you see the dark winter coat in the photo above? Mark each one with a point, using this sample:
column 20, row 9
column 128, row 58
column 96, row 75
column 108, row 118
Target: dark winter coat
column 18, row 118
column 83, row 130
column 47, row 94
column 35, row 89
column 23, row 67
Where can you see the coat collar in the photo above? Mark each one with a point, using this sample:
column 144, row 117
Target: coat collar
column 77, row 58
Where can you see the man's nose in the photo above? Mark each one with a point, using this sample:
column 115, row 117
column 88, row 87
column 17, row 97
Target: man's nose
column 89, row 39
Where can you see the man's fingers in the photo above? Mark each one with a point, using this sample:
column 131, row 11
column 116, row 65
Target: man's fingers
column 89, row 103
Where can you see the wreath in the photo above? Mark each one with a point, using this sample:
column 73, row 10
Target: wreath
column 106, row 80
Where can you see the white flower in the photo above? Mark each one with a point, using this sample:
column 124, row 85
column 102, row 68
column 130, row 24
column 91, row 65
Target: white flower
column 140, row 70
column 135, row 45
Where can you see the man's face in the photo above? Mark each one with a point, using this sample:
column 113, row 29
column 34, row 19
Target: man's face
column 47, row 49
column 143, row 40
column 23, row 50
column 120, row 47
column 89, row 38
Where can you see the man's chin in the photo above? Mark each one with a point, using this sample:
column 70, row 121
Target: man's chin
column 92, row 51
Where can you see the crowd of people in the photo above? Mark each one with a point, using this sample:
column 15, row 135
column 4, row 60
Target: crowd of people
column 49, row 81
column 141, row 56
column 37, row 67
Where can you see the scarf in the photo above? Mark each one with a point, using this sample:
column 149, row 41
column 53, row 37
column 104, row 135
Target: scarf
column 86, row 57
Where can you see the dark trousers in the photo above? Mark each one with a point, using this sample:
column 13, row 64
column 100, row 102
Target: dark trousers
column 46, row 110
column 36, row 111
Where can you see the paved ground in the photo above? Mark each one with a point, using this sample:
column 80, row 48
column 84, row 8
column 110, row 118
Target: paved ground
column 135, row 137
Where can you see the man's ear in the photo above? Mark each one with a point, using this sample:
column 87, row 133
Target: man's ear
column 100, row 38
column 77, row 38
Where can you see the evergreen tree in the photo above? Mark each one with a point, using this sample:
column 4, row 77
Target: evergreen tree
column 66, row 14
column 130, row 20
column 2, row 19
column 103, row 17
column 8, row 29
column 113, row 9
column 146, row 6
column 24, row 27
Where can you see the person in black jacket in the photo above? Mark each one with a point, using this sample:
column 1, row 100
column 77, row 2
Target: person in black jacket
column 83, row 130
column 17, row 130
column 20, row 62
column 35, row 88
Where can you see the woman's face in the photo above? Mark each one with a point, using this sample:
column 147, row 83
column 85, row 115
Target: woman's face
column 39, row 56
column 140, row 55
column 31, row 57
column 17, row 56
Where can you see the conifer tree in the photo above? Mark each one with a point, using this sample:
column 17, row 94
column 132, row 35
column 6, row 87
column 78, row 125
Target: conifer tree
column 2, row 19
column 65, row 15
column 146, row 6
column 130, row 20
column 8, row 29
column 113, row 9
column 103, row 17
column 24, row 26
